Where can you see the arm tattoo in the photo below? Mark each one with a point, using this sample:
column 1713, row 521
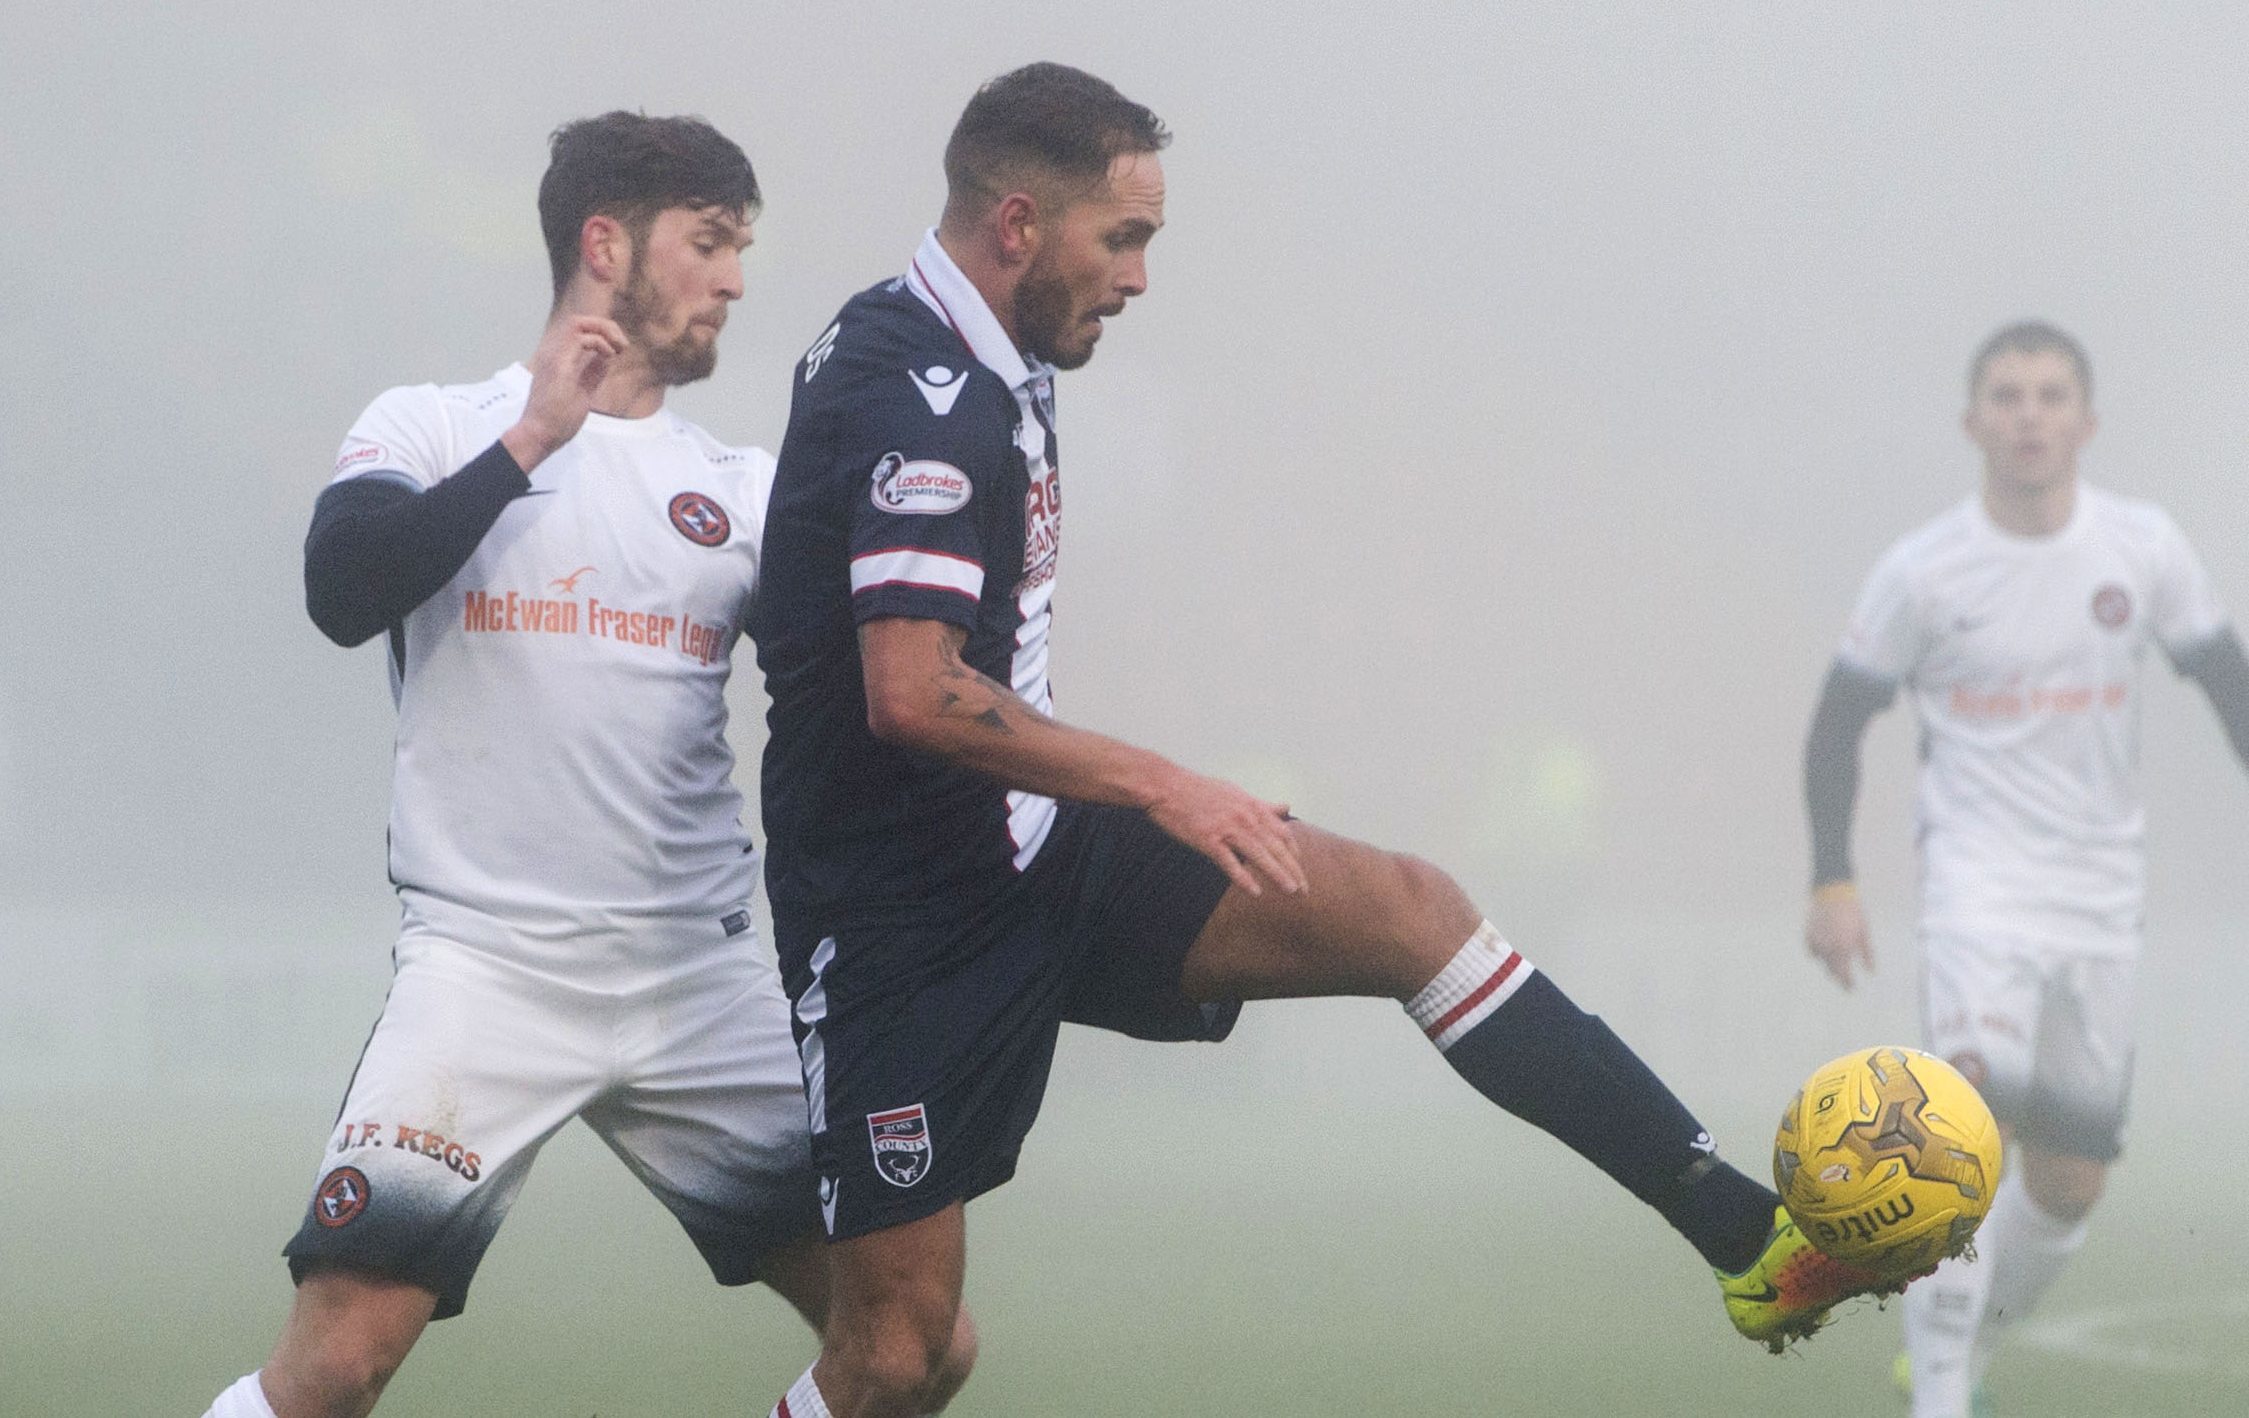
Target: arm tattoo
column 965, row 694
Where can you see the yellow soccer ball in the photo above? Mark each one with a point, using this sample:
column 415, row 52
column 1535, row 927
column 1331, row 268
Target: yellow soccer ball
column 1888, row 1159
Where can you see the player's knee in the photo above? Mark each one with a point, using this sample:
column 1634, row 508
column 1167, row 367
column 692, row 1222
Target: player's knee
column 1423, row 908
column 2065, row 1188
column 953, row 1369
column 347, row 1335
column 336, row 1375
column 900, row 1355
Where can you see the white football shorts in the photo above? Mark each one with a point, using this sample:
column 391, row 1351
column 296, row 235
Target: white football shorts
column 2051, row 1031
column 691, row 1077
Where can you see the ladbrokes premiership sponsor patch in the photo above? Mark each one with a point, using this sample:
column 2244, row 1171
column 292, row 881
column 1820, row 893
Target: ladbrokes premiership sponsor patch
column 922, row 487
column 359, row 456
column 901, row 1142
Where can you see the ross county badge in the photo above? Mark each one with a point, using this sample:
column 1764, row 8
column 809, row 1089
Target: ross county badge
column 901, row 1141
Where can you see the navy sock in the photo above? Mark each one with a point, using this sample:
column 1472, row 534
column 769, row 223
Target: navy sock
column 1564, row 1071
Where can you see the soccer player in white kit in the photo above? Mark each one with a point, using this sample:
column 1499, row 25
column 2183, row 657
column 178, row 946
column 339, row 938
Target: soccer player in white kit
column 2017, row 622
column 561, row 566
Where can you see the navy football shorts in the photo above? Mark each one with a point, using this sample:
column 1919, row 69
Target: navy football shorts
column 926, row 1042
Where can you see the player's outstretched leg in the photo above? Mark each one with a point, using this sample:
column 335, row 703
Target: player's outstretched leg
column 1378, row 923
column 347, row 1334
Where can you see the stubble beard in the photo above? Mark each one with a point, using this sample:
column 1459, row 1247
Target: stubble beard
column 1043, row 312
column 638, row 309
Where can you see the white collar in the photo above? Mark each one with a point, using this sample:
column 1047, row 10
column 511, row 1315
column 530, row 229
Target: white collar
column 938, row 283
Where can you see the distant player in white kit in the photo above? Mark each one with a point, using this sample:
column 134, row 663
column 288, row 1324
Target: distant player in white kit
column 2017, row 621
column 562, row 567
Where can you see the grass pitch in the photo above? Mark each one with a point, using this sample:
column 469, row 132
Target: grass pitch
column 1315, row 1218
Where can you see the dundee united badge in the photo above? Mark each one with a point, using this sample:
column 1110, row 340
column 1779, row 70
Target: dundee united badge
column 2112, row 606
column 699, row 519
column 341, row 1196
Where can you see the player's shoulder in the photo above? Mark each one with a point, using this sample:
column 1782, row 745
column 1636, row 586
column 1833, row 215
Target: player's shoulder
column 429, row 405
column 419, row 431
column 888, row 351
column 745, row 469
column 506, row 387
column 1932, row 543
column 2135, row 519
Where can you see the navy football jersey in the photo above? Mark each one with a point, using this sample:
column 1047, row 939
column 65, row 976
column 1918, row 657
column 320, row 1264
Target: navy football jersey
column 917, row 479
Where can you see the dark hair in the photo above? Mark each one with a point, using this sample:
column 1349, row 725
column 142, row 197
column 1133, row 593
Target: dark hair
column 1041, row 123
column 630, row 166
column 2031, row 337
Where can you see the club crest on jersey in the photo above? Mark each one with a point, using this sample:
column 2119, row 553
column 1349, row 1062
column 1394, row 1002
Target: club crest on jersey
column 922, row 487
column 901, row 1142
column 340, row 1197
column 2112, row 606
column 700, row 520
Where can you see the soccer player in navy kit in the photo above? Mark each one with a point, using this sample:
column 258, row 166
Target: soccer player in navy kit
column 953, row 871
column 560, row 565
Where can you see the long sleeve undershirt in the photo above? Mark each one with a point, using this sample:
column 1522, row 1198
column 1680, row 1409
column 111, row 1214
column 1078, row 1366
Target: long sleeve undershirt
column 1849, row 700
column 2220, row 667
column 379, row 546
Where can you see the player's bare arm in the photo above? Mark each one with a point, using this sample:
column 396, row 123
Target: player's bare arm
column 572, row 359
column 1835, row 929
column 921, row 692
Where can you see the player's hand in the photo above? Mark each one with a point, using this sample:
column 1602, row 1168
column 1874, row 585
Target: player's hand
column 1835, row 931
column 572, row 359
column 1246, row 836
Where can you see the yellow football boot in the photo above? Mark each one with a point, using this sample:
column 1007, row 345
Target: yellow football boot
column 1789, row 1290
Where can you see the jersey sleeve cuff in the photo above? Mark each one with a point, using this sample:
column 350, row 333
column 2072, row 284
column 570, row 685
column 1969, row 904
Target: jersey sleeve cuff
column 917, row 582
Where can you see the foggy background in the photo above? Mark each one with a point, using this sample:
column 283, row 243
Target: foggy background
column 1521, row 394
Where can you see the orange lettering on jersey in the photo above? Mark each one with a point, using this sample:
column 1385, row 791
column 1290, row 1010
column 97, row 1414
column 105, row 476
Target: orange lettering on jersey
column 482, row 611
column 1967, row 703
column 705, row 644
column 512, row 613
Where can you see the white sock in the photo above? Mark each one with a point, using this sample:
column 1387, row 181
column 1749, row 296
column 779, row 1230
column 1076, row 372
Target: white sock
column 2035, row 1247
column 246, row 1399
column 803, row 1400
column 1942, row 1314
column 1482, row 975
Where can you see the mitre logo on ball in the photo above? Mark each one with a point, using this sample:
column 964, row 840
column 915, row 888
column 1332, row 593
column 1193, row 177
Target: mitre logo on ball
column 1887, row 1158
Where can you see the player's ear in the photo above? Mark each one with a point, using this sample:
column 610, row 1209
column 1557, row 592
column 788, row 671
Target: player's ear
column 605, row 249
column 1016, row 220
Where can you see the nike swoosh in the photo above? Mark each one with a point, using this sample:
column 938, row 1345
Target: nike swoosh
column 538, row 492
column 1769, row 1295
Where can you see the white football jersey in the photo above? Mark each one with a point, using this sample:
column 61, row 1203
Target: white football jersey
column 562, row 770
column 2022, row 657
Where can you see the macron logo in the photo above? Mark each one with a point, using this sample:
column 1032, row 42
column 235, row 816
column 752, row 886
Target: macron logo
column 939, row 386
